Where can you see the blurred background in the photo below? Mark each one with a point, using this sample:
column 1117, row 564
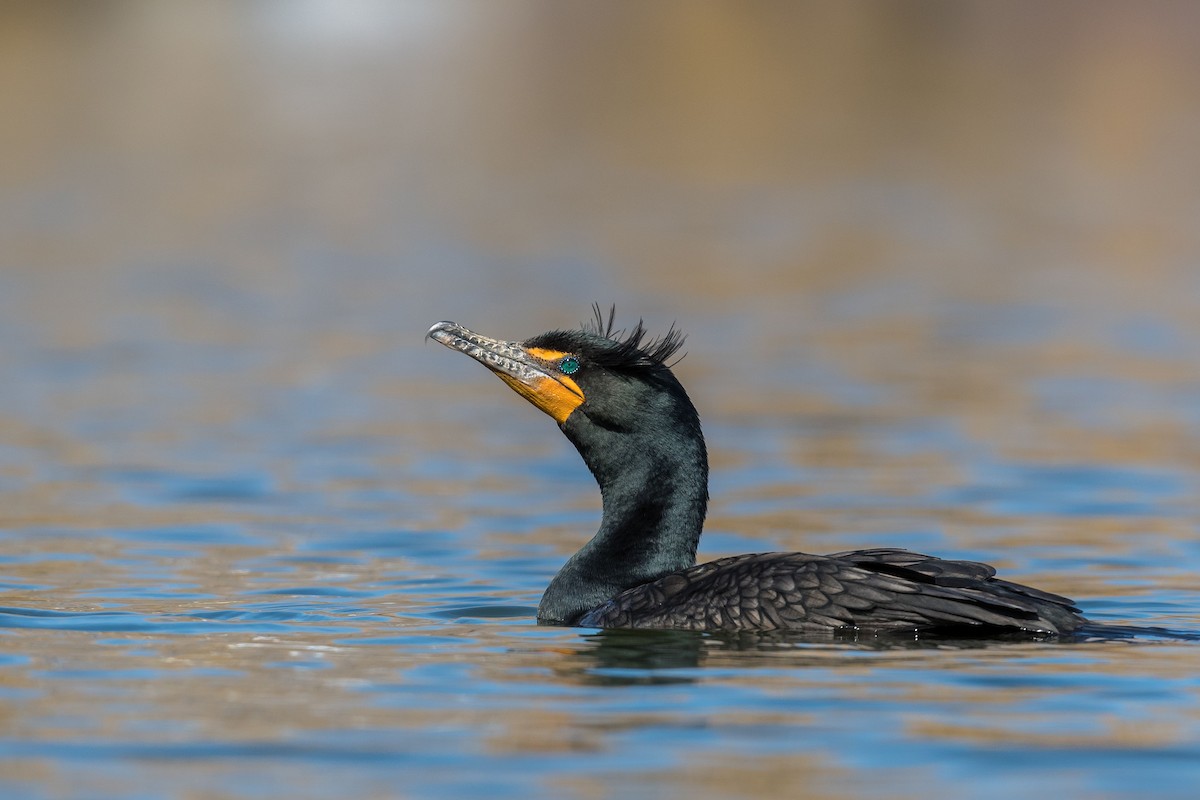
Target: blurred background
column 939, row 264
column 224, row 227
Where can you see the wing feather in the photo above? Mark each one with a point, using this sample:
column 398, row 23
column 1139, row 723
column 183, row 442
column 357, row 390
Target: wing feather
column 883, row 589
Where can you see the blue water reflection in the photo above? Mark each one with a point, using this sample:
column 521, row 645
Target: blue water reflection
column 937, row 265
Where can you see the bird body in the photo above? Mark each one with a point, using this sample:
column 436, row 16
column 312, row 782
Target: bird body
column 879, row 590
column 615, row 398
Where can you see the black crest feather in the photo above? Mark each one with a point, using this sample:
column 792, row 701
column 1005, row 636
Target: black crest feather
column 602, row 343
column 633, row 349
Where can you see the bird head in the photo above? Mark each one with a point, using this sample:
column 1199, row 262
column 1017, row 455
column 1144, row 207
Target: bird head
column 614, row 379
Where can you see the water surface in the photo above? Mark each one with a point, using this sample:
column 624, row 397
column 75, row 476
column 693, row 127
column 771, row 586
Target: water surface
column 941, row 276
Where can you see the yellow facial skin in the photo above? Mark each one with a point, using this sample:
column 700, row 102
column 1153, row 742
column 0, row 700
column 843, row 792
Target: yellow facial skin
column 558, row 396
column 531, row 372
column 556, row 399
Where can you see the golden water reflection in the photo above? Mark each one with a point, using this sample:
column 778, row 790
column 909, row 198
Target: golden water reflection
column 939, row 267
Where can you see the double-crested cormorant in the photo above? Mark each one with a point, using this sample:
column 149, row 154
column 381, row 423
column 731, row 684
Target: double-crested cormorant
column 614, row 396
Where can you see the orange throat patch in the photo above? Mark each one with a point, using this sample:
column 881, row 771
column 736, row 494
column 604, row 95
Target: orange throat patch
column 557, row 397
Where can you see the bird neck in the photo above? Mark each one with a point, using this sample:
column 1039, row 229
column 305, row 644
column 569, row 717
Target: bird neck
column 654, row 487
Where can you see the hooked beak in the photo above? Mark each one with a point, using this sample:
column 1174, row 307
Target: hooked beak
column 531, row 374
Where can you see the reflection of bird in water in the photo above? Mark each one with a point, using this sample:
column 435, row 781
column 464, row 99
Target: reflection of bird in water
column 615, row 398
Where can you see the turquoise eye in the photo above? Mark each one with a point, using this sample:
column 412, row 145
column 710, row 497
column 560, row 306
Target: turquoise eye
column 569, row 365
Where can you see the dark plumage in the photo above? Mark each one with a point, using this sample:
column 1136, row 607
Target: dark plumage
column 615, row 397
column 605, row 346
column 882, row 589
